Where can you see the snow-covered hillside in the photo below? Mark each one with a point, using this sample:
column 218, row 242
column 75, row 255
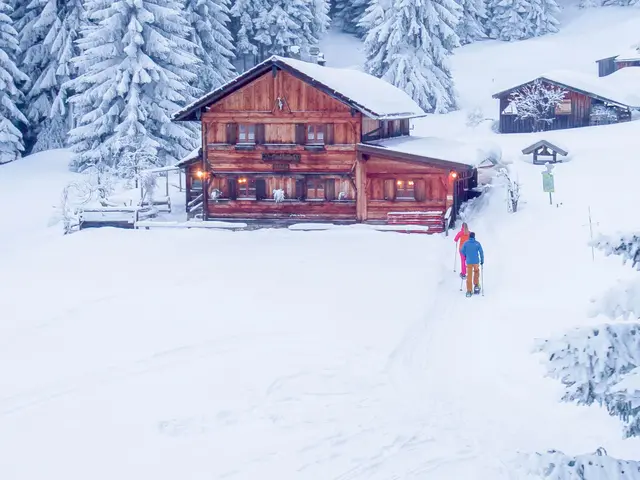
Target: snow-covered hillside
column 346, row 354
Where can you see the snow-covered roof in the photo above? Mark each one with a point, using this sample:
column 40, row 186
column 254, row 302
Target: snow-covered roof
column 194, row 155
column 435, row 148
column 370, row 95
column 543, row 143
column 621, row 87
column 630, row 55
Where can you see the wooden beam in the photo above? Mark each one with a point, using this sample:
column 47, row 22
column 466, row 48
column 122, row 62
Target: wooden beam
column 361, row 189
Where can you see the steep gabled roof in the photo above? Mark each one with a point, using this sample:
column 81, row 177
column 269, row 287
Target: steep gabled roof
column 367, row 94
column 616, row 88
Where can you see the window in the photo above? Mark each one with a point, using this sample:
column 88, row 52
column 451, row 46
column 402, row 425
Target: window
column 405, row 190
column 315, row 189
column 246, row 133
column 246, row 188
column 315, row 134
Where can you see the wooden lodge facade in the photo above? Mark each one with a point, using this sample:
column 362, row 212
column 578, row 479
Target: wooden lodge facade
column 609, row 65
column 289, row 141
column 586, row 103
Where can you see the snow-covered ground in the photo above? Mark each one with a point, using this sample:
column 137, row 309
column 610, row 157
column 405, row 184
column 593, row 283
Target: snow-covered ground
column 344, row 354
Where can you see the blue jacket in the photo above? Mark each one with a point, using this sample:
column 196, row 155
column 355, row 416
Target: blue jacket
column 472, row 250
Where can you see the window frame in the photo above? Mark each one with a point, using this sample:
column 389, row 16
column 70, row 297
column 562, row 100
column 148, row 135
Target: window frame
column 250, row 130
column 246, row 188
column 313, row 187
column 318, row 130
column 405, row 189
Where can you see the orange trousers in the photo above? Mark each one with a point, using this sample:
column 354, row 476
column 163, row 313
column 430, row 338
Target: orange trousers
column 473, row 271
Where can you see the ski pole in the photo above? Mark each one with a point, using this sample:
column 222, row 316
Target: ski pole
column 461, row 282
column 482, row 278
column 455, row 258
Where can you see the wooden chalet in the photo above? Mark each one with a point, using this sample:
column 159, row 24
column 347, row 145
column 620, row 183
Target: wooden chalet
column 609, row 65
column 290, row 141
column 587, row 97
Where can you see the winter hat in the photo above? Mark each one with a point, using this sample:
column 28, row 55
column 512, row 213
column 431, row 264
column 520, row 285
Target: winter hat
column 472, row 235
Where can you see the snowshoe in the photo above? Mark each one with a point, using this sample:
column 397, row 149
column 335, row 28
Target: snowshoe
column 468, row 294
column 476, row 290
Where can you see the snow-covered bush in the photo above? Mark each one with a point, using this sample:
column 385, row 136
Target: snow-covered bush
column 603, row 115
column 74, row 195
column 278, row 195
column 475, row 117
column 601, row 365
column 555, row 465
column 537, row 102
column 513, row 189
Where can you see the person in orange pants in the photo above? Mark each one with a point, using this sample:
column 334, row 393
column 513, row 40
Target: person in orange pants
column 474, row 255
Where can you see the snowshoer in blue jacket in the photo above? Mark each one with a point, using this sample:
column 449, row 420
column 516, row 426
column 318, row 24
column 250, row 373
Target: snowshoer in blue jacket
column 472, row 250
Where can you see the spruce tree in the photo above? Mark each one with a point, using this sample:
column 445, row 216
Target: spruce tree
column 46, row 98
column 511, row 20
column 348, row 15
column 209, row 21
column 408, row 45
column 471, row 26
column 602, row 365
column 244, row 14
column 137, row 68
column 283, row 24
column 11, row 118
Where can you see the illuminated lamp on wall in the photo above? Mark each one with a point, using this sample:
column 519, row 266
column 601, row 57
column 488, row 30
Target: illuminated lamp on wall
column 453, row 175
column 200, row 174
column 242, row 180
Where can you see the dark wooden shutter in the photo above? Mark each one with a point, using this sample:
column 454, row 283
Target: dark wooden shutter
column 260, row 135
column 261, row 188
column 232, row 133
column 405, row 126
column 330, row 189
column 233, row 190
column 329, row 137
column 419, row 190
column 390, row 189
column 300, row 187
column 301, row 134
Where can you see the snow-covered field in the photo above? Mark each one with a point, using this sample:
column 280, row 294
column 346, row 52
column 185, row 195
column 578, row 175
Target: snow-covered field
column 345, row 354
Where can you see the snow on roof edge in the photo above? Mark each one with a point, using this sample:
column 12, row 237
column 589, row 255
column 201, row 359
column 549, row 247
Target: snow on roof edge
column 303, row 68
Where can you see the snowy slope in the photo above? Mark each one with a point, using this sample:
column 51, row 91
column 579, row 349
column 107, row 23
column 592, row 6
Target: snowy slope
column 344, row 355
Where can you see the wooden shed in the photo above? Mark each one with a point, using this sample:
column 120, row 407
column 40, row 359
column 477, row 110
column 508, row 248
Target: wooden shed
column 609, row 65
column 287, row 142
column 544, row 152
column 583, row 93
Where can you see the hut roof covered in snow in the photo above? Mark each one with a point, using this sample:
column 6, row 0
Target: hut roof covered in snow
column 373, row 97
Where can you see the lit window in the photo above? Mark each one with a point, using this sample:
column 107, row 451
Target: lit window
column 246, row 133
column 405, row 190
column 246, row 188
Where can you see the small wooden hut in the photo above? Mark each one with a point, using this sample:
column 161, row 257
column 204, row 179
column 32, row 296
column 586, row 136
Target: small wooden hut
column 544, row 152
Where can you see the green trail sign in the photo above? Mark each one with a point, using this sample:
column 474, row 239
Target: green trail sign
column 547, row 182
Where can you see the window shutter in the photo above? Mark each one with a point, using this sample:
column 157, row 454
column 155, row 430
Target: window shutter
column 233, row 191
column 300, row 186
column 390, row 189
column 301, row 134
column 329, row 135
column 419, row 190
column 261, row 188
column 330, row 189
column 232, row 133
column 260, row 136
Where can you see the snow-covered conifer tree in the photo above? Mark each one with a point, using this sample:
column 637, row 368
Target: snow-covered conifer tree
column 285, row 23
column 348, row 15
column 137, row 65
column 210, row 33
column 602, row 365
column 56, row 28
column 511, row 20
column 471, row 26
column 321, row 20
column 554, row 465
column 408, row 44
column 245, row 13
column 11, row 143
